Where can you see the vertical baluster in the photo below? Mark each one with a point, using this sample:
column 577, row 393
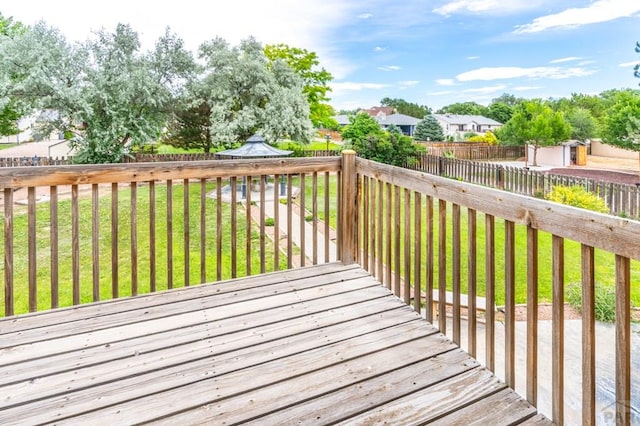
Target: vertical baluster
column 417, row 248
column 203, row 231
column 490, row 283
column 134, row 238
column 314, row 215
column 389, row 241
column 289, row 224
column 532, row 315
column 218, row 229
column 53, row 242
column 75, row 245
column 372, row 226
column 623, row 340
column 363, row 254
column 510, row 302
column 247, row 226
column 170, row 233
column 115, row 286
column 152, row 236
column 31, row 244
column 442, row 266
column 8, row 252
column 407, row 246
column 557, row 323
column 380, row 230
column 471, row 279
column 588, row 337
column 397, row 274
column 456, row 273
column 234, row 228
column 327, row 215
column 263, row 188
column 276, row 222
column 95, row 240
column 430, row 261
column 303, row 252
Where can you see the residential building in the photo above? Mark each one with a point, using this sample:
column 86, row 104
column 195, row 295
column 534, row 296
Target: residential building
column 456, row 125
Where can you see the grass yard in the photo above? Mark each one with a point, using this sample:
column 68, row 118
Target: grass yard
column 124, row 248
column 604, row 261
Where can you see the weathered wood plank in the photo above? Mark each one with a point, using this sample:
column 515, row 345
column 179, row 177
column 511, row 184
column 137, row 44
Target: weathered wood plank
column 355, row 387
column 87, row 312
column 502, row 408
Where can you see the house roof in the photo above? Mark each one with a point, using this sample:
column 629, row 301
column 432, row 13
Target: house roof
column 379, row 110
column 457, row 119
column 397, row 119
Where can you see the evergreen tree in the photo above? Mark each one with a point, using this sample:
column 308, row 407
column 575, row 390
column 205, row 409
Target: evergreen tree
column 428, row 129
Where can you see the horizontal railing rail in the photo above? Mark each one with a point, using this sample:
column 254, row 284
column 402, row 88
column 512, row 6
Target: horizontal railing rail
column 77, row 234
column 431, row 239
column 621, row 199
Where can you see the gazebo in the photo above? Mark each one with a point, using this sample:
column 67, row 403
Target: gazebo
column 255, row 147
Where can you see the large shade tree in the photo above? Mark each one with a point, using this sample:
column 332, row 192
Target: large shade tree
column 246, row 94
column 535, row 123
column 315, row 80
column 10, row 112
column 621, row 126
column 411, row 109
column 107, row 94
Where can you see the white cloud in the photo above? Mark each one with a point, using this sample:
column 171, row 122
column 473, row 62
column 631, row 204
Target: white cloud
column 390, row 68
column 365, row 16
column 567, row 59
column 501, row 73
column 525, row 88
column 486, row 90
column 628, row 64
column 441, row 93
column 485, row 6
column 408, row 83
column 379, row 49
column 473, row 58
column 446, row 82
column 349, row 86
column 596, row 12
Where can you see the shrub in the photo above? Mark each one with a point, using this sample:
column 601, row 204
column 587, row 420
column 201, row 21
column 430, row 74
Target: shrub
column 269, row 221
column 605, row 301
column 577, row 196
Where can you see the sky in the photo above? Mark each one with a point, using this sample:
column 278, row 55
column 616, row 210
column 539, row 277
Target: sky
column 429, row 52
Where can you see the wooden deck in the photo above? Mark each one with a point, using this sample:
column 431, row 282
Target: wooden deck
column 316, row 345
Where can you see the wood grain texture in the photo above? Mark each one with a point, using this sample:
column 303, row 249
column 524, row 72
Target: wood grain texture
column 321, row 344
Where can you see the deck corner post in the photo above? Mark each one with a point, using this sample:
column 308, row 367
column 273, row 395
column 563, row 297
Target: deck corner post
column 348, row 208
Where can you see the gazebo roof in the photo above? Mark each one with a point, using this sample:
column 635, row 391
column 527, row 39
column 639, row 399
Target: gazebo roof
column 255, row 147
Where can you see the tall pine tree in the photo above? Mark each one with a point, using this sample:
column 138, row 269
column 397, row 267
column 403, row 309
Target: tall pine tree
column 428, row 129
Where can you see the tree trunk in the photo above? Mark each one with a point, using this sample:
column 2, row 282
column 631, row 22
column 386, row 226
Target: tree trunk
column 535, row 155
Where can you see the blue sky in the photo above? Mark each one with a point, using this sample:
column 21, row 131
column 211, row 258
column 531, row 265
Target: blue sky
column 432, row 53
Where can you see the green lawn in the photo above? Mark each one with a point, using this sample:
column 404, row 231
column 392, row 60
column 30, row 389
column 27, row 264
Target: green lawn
column 604, row 261
column 124, row 252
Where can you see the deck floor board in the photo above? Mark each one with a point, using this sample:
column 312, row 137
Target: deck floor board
column 316, row 345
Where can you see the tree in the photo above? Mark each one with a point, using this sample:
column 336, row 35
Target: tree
column 583, row 125
column 465, row 108
column 406, row 108
column 10, row 112
column 107, row 93
column 361, row 126
column 248, row 94
column 428, row 129
column 500, row 112
column 535, row 123
column 315, row 80
column 388, row 147
column 621, row 126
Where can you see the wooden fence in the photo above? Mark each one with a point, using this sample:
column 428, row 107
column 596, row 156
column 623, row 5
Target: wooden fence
column 33, row 161
column 474, row 151
column 622, row 199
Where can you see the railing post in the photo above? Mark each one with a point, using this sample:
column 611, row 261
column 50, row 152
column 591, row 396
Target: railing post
column 348, row 209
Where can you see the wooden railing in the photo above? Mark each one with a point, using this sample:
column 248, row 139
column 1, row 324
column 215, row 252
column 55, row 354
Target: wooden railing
column 118, row 230
column 436, row 239
column 76, row 234
column 621, row 199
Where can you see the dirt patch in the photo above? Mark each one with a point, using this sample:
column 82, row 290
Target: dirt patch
column 612, row 176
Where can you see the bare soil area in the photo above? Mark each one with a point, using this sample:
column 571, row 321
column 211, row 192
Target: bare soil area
column 615, row 170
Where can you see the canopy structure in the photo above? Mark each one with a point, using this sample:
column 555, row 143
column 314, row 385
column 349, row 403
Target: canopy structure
column 255, row 147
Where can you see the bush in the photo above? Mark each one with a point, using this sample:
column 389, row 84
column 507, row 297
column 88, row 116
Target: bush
column 269, row 221
column 577, row 196
column 605, row 301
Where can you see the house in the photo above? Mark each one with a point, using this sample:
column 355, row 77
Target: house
column 406, row 123
column 456, row 125
column 29, row 126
